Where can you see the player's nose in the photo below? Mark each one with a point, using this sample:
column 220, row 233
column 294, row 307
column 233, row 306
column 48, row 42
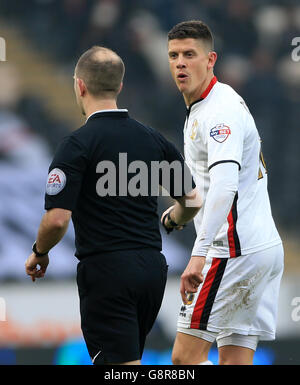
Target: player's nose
column 180, row 62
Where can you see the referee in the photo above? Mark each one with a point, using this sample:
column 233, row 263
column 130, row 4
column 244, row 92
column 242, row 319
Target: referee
column 94, row 179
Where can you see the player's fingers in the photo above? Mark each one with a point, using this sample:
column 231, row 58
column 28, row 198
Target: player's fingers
column 191, row 285
column 39, row 274
column 30, row 270
column 196, row 281
column 187, row 287
column 32, row 276
column 43, row 269
column 196, row 278
column 190, row 288
column 183, row 293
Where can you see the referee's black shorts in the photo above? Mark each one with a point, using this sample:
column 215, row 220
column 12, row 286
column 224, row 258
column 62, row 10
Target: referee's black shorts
column 120, row 296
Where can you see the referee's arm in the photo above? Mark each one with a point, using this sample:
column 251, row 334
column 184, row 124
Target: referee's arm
column 53, row 227
column 69, row 165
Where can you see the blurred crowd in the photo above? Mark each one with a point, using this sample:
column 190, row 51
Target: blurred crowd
column 253, row 41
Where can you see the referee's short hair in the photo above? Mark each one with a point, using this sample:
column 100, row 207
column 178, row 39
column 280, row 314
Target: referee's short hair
column 194, row 29
column 102, row 71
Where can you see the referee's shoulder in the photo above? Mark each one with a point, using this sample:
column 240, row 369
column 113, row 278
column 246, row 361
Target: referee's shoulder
column 85, row 132
column 76, row 139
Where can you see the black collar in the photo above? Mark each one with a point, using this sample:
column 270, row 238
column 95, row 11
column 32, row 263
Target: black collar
column 112, row 113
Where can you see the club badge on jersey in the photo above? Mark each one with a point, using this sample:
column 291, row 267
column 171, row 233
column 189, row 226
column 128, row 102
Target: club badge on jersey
column 194, row 130
column 220, row 132
column 56, row 181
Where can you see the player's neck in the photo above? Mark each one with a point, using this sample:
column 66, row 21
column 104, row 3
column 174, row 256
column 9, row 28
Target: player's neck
column 197, row 94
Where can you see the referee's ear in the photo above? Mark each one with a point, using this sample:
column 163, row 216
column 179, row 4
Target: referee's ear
column 120, row 89
column 81, row 87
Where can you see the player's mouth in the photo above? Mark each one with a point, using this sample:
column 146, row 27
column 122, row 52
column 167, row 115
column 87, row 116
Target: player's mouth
column 181, row 76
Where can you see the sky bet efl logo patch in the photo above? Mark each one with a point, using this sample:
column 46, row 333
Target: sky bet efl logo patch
column 220, row 132
column 56, row 181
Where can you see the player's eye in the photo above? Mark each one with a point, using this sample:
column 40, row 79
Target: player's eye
column 189, row 54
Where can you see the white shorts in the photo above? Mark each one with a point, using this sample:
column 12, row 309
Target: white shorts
column 238, row 296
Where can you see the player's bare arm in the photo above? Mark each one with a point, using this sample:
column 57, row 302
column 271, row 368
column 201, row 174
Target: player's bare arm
column 53, row 227
column 183, row 211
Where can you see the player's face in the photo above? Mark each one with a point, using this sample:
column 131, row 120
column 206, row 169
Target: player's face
column 190, row 65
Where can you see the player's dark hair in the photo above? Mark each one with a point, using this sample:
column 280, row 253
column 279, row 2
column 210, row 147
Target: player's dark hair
column 194, row 29
column 102, row 71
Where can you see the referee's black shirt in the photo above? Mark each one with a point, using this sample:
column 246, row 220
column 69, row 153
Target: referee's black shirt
column 108, row 223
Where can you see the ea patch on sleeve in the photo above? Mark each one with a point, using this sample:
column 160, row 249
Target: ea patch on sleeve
column 220, row 132
column 56, row 181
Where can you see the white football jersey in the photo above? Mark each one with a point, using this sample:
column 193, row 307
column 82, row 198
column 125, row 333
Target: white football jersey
column 219, row 128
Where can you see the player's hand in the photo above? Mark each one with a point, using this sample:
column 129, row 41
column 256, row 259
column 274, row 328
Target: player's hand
column 192, row 277
column 32, row 263
column 165, row 222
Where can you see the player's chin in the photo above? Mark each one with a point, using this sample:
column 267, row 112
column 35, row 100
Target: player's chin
column 182, row 87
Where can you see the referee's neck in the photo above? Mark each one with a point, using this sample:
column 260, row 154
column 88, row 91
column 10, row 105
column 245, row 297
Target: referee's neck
column 99, row 105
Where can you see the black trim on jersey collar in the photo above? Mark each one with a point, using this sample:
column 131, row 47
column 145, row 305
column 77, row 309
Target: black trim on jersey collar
column 116, row 114
column 224, row 161
column 191, row 105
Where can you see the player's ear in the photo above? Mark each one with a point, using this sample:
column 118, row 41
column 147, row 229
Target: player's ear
column 212, row 58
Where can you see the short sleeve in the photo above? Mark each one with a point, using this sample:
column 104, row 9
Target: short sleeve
column 224, row 141
column 66, row 173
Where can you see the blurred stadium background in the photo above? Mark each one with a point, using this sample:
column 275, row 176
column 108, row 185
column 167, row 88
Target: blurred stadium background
column 39, row 322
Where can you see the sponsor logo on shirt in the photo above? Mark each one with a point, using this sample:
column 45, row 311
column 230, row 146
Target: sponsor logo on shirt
column 220, row 132
column 56, row 181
